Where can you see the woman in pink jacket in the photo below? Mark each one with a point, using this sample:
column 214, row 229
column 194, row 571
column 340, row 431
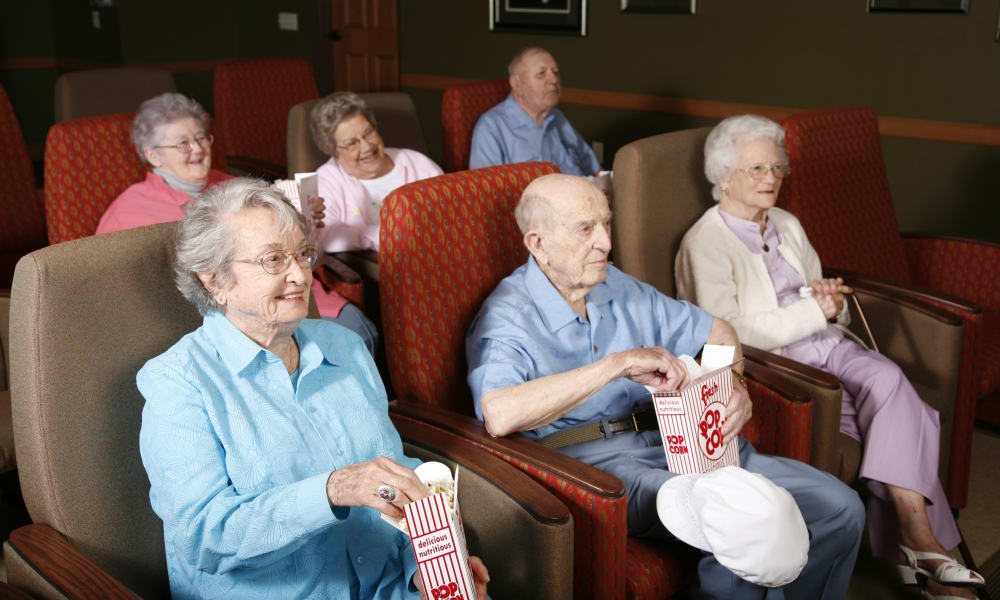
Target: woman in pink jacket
column 171, row 134
column 361, row 171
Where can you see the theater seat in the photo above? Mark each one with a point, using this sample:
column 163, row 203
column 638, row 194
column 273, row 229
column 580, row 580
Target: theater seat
column 98, row 92
column 87, row 314
column 839, row 190
column 461, row 107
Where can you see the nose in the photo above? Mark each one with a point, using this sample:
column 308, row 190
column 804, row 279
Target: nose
column 603, row 239
column 296, row 273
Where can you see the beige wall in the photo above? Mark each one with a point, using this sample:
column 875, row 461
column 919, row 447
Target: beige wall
column 791, row 53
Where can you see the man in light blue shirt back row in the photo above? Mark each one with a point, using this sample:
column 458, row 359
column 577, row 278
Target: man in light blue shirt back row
column 527, row 126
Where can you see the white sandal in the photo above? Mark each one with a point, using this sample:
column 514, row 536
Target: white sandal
column 948, row 572
column 929, row 596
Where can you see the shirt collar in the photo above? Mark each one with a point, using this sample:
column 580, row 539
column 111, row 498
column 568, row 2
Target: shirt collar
column 555, row 311
column 521, row 118
column 238, row 351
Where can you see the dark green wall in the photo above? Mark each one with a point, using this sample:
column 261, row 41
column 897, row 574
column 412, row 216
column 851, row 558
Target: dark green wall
column 789, row 53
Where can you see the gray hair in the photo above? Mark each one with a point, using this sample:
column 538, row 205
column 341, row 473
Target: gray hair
column 159, row 111
column 206, row 243
column 533, row 210
column 329, row 112
column 722, row 147
column 515, row 63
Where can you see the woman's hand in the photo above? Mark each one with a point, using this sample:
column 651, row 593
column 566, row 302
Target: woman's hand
column 480, row 577
column 318, row 211
column 357, row 485
column 832, row 289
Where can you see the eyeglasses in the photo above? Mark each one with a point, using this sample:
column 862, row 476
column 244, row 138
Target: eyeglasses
column 276, row 261
column 187, row 146
column 370, row 135
column 759, row 171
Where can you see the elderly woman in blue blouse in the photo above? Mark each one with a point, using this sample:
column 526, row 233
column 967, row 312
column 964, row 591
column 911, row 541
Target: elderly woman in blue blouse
column 266, row 435
column 750, row 263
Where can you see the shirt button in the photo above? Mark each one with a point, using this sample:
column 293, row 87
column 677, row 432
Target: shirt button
column 361, row 560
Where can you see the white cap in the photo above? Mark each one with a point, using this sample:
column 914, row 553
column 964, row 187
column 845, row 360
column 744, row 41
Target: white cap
column 753, row 527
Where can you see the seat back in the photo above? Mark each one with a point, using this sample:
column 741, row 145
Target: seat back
column 397, row 124
column 88, row 163
column 108, row 91
column 461, row 107
column 85, row 316
column 445, row 244
column 22, row 217
column 839, row 190
column 660, row 190
column 252, row 100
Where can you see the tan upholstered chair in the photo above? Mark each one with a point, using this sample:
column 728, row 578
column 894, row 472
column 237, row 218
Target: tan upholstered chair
column 397, row 124
column 660, row 190
column 7, row 460
column 87, row 314
column 98, row 92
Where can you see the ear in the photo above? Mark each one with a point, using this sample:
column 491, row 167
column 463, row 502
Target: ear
column 514, row 83
column 536, row 246
column 211, row 285
column 152, row 157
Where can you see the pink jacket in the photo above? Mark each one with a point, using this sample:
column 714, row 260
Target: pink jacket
column 153, row 201
column 347, row 225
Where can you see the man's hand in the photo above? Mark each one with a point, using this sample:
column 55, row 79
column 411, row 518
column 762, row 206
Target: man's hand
column 357, row 485
column 738, row 412
column 654, row 367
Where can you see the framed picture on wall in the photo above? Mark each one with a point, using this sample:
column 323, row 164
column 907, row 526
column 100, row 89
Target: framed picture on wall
column 567, row 17
column 919, row 5
column 684, row 7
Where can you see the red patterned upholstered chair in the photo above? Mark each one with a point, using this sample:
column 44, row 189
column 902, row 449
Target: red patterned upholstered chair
column 252, row 100
column 22, row 216
column 446, row 243
column 88, row 163
column 840, row 192
column 461, row 107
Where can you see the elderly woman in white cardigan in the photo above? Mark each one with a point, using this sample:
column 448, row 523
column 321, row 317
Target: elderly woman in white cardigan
column 750, row 263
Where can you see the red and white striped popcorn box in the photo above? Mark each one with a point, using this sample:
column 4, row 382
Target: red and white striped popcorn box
column 690, row 422
column 438, row 539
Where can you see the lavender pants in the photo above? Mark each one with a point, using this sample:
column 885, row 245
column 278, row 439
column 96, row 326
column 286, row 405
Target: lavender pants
column 901, row 437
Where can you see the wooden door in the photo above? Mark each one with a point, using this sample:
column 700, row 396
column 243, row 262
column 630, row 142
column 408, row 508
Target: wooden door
column 366, row 55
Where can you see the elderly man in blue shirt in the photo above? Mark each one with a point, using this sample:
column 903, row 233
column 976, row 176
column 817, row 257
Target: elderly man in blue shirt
column 527, row 126
column 568, row 341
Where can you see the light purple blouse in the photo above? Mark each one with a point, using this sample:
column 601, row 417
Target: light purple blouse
column 813, row 349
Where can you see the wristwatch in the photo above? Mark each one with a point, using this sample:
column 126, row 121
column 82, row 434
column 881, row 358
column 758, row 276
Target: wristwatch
column 739, row 377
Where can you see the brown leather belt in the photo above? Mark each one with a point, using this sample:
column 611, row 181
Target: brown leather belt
column 643, row 419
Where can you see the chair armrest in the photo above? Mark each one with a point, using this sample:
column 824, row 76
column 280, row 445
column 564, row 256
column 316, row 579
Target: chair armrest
column 335, row 276
column 62, row 565
column 255, row 166
column 595, row 498
column 905, row 292
column 535, row 499
column 800, row 383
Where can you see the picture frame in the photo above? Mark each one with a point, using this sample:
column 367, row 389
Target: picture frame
column 680, row 7
column 956, row 6
column 560, row 17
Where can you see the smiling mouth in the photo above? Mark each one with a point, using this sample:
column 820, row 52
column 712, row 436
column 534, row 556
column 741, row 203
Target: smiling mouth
column 291, row 297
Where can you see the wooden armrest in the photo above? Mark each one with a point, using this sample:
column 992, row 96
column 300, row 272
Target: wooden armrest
column 762, row 364
column 63, row 565
column 330, row 270
column 256, row 166
column 914, row 296
column 951, row 238
column 528, row 493
column 569, row 469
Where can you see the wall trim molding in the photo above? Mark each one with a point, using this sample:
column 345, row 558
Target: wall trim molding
column 901, row 127
column 79, row 64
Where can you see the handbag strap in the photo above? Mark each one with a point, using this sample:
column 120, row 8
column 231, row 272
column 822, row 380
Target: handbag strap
column 864, row 321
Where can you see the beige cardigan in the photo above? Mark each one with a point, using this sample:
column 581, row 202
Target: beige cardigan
column 716, row 271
